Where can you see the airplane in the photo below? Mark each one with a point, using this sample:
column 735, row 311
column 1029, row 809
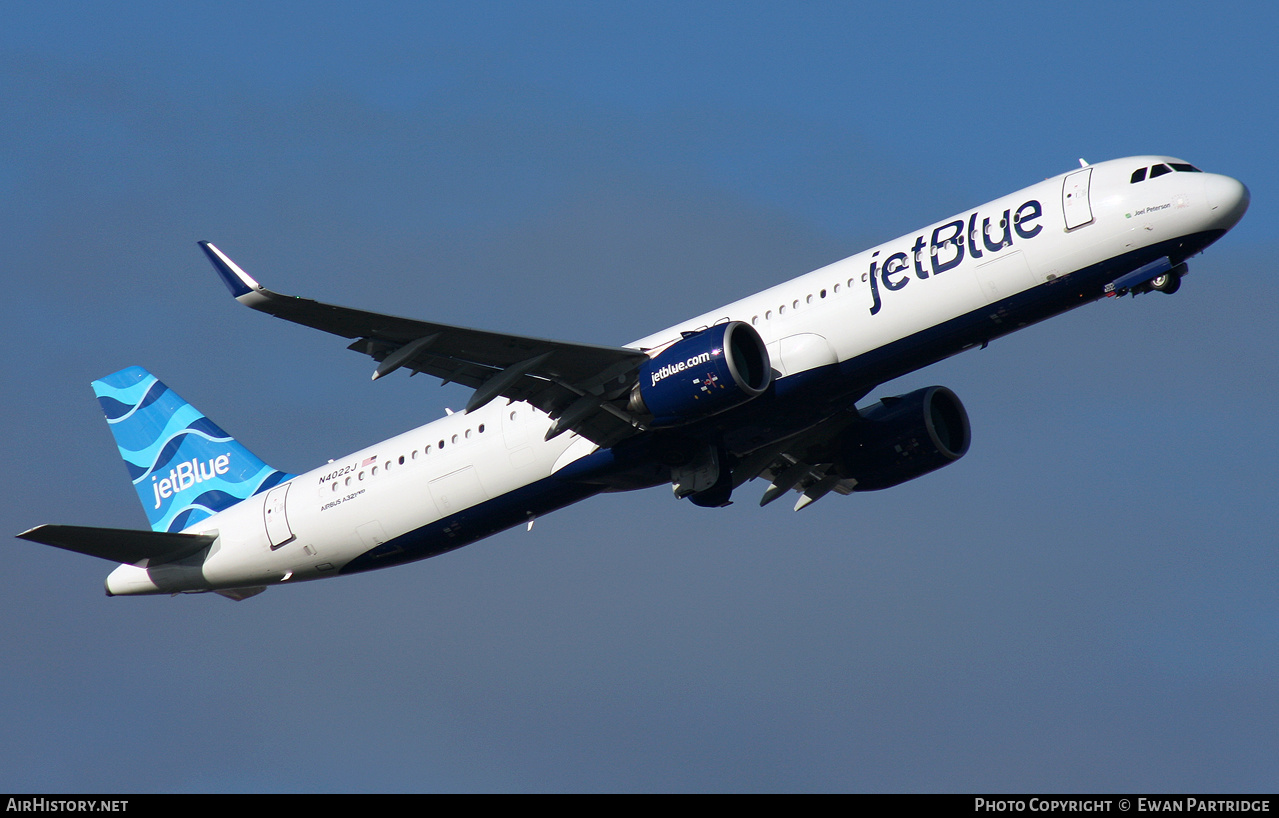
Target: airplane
column 765, row 387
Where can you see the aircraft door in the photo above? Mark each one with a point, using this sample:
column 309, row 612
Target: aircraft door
column 276, row 518
column 1074, row 199
column 515, row 422
column 514, row 429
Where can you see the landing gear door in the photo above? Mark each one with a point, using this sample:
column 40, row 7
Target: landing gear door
column 1074, row 199
column 277, row 521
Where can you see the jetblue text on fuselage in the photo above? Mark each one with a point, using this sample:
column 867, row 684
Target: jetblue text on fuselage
column 946, row 248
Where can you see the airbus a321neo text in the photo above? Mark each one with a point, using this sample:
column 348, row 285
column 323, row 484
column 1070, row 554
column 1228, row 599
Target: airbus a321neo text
column 765, row 387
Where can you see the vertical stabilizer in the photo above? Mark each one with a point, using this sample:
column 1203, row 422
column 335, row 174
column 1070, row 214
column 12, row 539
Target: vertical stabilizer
column 183, row 466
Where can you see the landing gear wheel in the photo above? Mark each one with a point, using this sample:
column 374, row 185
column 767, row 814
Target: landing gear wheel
column 717, row 496
column 720, row 494
column 1168, row 283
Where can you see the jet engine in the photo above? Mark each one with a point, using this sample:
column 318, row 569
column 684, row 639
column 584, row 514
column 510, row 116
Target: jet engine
column 905, row 437
column 703, row 374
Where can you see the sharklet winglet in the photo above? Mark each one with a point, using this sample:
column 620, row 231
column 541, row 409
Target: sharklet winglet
column 236, row 280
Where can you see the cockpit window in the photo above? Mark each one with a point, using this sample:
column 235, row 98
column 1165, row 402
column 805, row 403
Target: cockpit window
column 1139, row 175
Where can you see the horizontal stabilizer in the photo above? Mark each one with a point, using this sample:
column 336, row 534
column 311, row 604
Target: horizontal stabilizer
column 120, row 544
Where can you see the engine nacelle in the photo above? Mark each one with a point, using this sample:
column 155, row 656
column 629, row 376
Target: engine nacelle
column 702, row 375
column 905, row 437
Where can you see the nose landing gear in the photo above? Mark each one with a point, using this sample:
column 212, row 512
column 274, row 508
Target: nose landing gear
column 1169, row 282
column 1161, row 275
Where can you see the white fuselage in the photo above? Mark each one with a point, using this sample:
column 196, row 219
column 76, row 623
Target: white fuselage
column 1018, row 244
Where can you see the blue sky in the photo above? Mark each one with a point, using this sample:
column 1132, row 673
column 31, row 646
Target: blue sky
column 1085, row 602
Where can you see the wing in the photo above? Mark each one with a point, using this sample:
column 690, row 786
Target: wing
column 897, row 439
column 583, row 387
column 803, row 463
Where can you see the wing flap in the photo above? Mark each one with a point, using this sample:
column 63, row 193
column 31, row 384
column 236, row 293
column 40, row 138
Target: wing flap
column 802, row 463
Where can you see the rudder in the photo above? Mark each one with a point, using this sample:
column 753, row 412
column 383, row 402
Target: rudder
column 183, row 466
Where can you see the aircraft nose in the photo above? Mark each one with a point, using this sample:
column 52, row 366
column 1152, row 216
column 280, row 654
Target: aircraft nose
column 1228, row 198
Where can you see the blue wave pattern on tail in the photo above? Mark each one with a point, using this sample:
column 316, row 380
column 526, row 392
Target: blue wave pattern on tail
column 183, row 466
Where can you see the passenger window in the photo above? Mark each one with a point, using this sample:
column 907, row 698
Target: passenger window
column 1138, row 175
column 1159, row 170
